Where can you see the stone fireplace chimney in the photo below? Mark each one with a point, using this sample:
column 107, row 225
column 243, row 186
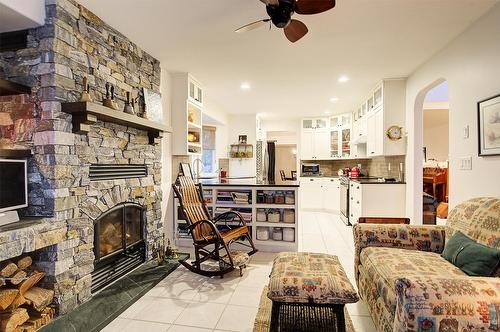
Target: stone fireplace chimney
column 64, row 202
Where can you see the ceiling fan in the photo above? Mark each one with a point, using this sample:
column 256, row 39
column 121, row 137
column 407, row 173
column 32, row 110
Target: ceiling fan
column 280, row 14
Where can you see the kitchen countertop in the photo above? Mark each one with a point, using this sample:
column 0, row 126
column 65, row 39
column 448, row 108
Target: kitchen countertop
column 320, row 176
column 375, row 181
column 248, row 182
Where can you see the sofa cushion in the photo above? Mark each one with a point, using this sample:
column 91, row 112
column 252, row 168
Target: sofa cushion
column 386, row 265
column 478, row 218
column 471, row 257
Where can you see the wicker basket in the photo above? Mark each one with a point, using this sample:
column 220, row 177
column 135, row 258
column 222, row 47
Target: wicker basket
column 277, row 234
column 262, row 233
column 273, row 216
column 261, row 215
column 289, row 216
column 288, row 234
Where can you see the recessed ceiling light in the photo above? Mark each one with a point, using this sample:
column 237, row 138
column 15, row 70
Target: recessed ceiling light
column 334, row 99
column 245, row 86
column 343, row 79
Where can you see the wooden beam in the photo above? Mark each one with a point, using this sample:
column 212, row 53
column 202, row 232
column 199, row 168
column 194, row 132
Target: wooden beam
column 8, row 88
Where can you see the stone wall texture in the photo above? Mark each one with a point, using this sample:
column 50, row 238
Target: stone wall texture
column 73, row 44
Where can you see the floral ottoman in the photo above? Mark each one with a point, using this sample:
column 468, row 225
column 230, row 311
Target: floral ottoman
column 309, row 292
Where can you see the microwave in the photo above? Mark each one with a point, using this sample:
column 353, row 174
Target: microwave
column 310, row 169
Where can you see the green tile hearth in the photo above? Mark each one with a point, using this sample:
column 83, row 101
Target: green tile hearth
column 109, row 303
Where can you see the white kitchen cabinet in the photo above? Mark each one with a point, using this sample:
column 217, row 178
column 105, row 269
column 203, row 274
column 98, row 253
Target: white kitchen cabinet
column 376, row 200
column 375, row 135
column 383, row 108
column 309, row 194
column 314, row 123
column 314, row 145
column 323, row 139
column 320, row 194
column 320, row 147
column 340, row 136
column 331, row 195
column 307, row 145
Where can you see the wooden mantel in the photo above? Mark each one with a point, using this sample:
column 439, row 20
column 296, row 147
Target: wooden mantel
column 86, row 114
column 8, row 88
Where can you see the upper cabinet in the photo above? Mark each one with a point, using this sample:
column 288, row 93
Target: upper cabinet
column 314, row 124
column 195, row 91
column 187, row 115
column 314, row 139
column 382, row 109
column 326, row 138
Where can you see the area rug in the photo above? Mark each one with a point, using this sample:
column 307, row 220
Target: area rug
column 263, row 319
column 103, row 307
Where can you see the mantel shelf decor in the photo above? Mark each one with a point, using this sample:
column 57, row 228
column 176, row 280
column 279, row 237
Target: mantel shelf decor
column 86, row 114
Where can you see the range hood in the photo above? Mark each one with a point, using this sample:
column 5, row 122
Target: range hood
column 359, row 140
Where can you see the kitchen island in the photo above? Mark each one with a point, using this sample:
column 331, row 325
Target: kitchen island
column 270, row 210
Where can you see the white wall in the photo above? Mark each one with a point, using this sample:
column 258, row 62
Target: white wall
column 219, row 119
column 436, row 134
column 242, row 124
column 471, row 65
column 166, row 149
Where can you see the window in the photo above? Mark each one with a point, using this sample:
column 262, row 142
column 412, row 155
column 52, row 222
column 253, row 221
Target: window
column 208, row 156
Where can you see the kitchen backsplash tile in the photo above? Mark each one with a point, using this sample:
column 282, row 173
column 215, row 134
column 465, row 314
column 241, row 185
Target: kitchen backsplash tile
column 377, row 166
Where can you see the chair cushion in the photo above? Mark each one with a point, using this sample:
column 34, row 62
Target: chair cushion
column 386, row 265
column 240, row 258
column 310, row 278
column 471, row 257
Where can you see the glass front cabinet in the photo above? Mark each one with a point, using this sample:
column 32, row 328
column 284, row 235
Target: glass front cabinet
column 340, row 136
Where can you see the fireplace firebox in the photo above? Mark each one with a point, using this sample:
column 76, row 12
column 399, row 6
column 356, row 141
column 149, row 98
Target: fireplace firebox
column 119, row 243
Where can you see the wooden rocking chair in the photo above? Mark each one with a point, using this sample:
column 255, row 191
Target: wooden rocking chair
column 205, row 233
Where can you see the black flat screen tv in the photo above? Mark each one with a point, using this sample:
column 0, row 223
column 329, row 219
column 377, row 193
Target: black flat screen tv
column 13, row 184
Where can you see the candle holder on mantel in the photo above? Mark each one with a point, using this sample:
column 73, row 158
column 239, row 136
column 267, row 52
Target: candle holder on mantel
column 129, row 105
column 109, row 101
column 85, row 97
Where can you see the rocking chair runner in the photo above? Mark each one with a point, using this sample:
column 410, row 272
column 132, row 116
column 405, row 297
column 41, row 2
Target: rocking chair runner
column 204, row 231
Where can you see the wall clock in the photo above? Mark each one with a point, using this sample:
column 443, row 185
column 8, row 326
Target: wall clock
column 395, row 133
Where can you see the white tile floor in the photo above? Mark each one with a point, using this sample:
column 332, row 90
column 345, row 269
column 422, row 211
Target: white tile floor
column 186, row 302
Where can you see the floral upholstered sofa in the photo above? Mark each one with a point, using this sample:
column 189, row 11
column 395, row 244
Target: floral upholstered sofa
column 408, row 286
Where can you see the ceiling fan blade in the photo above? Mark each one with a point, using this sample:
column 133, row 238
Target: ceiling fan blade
column 271, row 2
column 253, row 25
column 295, row 30
column 309, row 7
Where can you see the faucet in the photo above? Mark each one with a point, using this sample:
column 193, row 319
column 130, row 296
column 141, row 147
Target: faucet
column 196, row 168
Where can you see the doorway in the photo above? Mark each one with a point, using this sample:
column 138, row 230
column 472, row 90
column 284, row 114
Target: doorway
column 285, row 154
column 435, row 135
column 286, row 161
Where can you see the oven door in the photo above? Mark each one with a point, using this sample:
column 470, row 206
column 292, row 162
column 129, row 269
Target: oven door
column 344, row 202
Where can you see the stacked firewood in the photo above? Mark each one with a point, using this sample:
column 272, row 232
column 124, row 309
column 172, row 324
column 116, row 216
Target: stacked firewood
column 24, row 307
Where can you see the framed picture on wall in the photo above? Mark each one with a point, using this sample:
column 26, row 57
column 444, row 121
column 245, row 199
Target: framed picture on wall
column 488, row 120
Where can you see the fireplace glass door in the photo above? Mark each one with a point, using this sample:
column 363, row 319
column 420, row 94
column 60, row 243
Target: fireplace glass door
column 119, row 243
column 111, row 232
column 133, row 228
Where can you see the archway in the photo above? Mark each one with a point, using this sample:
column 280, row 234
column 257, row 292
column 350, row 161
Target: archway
column 416, row 169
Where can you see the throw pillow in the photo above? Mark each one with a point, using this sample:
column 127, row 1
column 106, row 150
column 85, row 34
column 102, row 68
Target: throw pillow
column 471, row 257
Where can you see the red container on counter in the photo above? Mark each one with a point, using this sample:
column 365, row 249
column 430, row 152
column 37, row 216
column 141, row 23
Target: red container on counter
column 355, row 172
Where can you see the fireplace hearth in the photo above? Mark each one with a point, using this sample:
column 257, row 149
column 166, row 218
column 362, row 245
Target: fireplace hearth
column 119, row 243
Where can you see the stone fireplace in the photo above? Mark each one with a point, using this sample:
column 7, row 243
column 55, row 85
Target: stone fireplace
column 73, row 219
